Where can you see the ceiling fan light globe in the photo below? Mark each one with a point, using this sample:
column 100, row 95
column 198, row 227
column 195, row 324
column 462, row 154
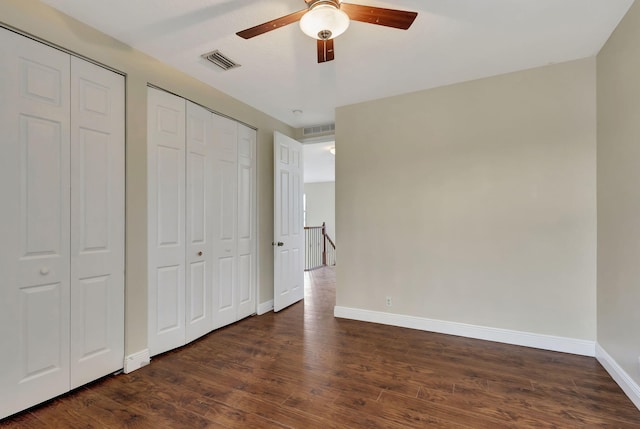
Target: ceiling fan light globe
column 322, row 18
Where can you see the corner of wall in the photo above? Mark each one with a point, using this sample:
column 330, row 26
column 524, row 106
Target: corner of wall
column 624, row 380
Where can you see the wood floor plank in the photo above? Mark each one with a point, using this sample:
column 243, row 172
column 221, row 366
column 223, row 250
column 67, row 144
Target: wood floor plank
column 162, row 406
column 416, row 410
column 24, row 420
column 105, row 412
column 216, row 391
column 59, row 413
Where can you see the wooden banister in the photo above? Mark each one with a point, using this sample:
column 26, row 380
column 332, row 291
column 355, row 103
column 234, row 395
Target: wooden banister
column 317, row 252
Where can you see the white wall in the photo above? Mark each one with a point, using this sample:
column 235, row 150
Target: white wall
column 474, row 203
column 619, row 197
column 321, row 205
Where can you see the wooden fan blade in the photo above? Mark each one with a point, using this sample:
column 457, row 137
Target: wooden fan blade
column 272, row 25
column 325, row 50
column 400, row 19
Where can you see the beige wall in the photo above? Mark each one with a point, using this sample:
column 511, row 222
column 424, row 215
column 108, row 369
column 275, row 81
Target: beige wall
column 619, row 194
column 321, row 205
column 37, row 19
column 474, row 203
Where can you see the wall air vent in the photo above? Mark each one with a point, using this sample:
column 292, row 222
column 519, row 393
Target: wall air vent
column 217, row 58
column 318, row 129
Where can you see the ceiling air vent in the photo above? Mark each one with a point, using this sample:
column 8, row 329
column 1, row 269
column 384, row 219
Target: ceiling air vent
column 318, row 129
column 217, row 58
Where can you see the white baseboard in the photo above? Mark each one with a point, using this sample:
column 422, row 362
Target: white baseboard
column 136, row 361
column 265, row 307
column 527, row 339
column 626, row 383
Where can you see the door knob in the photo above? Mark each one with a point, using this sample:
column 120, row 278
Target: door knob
column 200, row 253
column 280, row 244
column 44, row 271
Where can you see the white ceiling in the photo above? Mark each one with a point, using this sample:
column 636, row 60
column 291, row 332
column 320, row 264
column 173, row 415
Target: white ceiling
column 319, row 163
column 450, row 41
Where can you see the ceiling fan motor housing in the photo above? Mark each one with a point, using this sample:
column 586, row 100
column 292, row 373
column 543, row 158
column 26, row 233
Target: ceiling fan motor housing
column 314, row 3
column 324, row 20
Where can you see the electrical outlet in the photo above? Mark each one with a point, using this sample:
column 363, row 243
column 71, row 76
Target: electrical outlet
column 388, row 301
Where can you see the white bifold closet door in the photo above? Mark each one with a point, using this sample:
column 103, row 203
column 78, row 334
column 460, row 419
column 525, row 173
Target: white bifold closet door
column 35, row 177
column 202, row 221
column 166, row 227
column 247, row 223
column 97, row 219
column 199, row 215
column 234, row 228
column 180, row 150
column 62, row 229
column 225, row 251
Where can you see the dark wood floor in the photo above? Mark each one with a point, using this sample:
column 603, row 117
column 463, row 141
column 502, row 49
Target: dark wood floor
column 301, row 368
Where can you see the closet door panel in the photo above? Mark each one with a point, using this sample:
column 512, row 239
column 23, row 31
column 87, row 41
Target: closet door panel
column 34, row 252
column 245, row 285
column 199, row 255
column 166, row 205
column 225, row 245
column 169, row 178
column 246, row 294
column 225, row 221
column 197, row 272
column 97, row 219
column 169, row 292
column 226, row 278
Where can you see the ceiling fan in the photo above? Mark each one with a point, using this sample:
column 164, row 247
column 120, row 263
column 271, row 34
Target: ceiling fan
column 325, row 20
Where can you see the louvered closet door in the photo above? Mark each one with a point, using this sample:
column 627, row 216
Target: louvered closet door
column 34, row 213
column 198, row 221
column 166, row 205
column 97, row 219
column 225, row 221
column 247, row 264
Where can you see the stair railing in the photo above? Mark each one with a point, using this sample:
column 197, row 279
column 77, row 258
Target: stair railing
column 320, row 250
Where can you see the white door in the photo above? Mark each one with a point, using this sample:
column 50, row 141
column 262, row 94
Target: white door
column 225, row 221
column 97, row 219
column 288, row 255
column 198, row 221
column 35, row 230
column 166, row 227
column 247, row 240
